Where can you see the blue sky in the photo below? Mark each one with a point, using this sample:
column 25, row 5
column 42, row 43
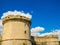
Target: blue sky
column 45, row 13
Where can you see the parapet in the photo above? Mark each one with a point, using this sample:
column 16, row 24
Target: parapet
column 17, row 17
column 51, row 36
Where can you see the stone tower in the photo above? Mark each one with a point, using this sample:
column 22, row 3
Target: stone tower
column 16, row 30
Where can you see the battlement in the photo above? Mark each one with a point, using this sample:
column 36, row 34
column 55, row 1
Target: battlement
column 17, row 17
column 51, row 36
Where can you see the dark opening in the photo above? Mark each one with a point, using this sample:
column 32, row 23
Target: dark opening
column 21, row 16
column 8, row 17
column 25, row 32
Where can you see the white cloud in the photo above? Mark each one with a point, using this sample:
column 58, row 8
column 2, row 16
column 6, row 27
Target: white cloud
column 35, row 31
column 1, row 27
column 44, row 34
column 35, row 34
column 55, row 32
column 21, row 13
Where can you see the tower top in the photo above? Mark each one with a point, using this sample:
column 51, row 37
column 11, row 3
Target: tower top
column 16, row 13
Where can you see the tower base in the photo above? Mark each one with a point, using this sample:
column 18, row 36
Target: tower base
column 16, row 42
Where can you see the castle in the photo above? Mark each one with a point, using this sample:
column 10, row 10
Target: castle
column 45, row 40
column 16, row 31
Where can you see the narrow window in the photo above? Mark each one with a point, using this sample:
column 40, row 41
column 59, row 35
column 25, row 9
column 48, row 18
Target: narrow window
column 21, row 16
column 8, row 17
column 25, row 32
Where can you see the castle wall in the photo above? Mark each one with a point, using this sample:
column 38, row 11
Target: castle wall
column 47, row 40
column 16, row 31
column 0, row 39
column 16, row 42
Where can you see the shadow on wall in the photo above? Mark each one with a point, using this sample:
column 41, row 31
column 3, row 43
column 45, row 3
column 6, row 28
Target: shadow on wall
column 32, row 41
column 59, row 42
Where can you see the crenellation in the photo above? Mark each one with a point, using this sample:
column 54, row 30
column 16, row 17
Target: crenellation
column 17, row 31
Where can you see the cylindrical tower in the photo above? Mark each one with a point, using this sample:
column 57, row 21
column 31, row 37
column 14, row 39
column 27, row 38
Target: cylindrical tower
column 16, row 30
